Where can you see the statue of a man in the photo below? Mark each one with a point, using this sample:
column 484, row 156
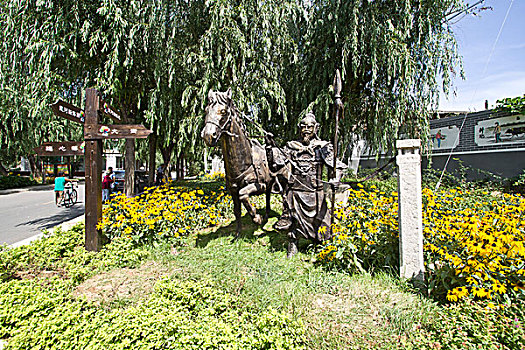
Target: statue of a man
column 299, row 169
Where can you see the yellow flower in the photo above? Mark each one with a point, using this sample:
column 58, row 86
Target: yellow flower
column 499, row 288
column 451, row 296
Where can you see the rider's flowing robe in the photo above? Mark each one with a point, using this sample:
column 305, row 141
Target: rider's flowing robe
column 304, row 198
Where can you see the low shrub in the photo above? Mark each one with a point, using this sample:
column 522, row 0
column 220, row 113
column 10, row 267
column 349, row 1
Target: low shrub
column 38, row 307
column 177, row 315
column 62, row 254
column 11, row 181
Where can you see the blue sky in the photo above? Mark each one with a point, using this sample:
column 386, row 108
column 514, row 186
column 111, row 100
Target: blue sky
column 505, row 73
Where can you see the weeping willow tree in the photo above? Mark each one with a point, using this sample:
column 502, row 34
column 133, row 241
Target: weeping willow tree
column 56, row 49
column 394, row 57
column 280, row 59
column 157, row 60
column 245, row 45
column 25, row 89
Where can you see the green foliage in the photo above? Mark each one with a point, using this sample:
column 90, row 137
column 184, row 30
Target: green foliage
column 156, row 61
column 511, row 104
column 391, row 56
column 37, row 305
column 474, row 325
column 62, row 253
column 7, row 182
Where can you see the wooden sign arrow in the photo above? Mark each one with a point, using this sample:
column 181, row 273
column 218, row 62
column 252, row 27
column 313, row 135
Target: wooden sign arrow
column 66, row 148
column 110, row 111
column 128, row 131
column 68, row 111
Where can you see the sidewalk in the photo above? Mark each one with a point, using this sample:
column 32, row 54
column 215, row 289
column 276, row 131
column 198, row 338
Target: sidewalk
column 29, row 188
column 65, row 226
column 33, row 188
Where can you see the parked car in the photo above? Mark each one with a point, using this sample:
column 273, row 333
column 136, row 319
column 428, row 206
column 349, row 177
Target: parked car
column 141, row 180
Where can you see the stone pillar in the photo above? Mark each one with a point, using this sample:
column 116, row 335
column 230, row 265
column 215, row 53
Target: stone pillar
column 410, row 209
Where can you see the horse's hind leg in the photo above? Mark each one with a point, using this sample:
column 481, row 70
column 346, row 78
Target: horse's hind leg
column 244, row 195
column 268, row 198
column 237, row 212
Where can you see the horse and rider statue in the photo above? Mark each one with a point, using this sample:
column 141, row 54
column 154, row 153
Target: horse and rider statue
column 294, row 170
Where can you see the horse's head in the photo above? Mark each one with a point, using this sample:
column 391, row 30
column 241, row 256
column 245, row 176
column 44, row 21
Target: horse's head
column 218, row 116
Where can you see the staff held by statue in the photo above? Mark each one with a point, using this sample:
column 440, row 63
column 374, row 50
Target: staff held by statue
column 338, row 112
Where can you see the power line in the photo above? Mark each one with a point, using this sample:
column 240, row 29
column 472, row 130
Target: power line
column 475, row 92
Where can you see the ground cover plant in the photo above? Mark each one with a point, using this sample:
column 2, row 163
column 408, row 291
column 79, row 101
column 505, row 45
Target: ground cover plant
column 42, row 304
column 195, row 288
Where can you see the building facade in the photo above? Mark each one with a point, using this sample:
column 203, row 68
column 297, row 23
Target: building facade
column 480, row 144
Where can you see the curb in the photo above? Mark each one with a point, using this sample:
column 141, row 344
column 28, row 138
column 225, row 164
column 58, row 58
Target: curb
column 32, row 188
column 64, row 226
column 26, row 189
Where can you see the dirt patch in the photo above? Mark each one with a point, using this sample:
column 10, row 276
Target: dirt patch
column 121, row 283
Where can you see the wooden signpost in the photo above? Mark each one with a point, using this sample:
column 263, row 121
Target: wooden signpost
column 68, row 111
column 60, row 149
column 57, row 149
column 94, row 133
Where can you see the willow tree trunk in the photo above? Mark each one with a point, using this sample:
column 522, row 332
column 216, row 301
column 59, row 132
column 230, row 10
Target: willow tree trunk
column 3, row 170
column 129, row 179
column 166, row 152
column 180, row 166
column 35, row 168
column 151, row 160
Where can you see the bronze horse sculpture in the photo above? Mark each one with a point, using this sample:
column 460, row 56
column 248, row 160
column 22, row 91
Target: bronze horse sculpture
column 245, row 163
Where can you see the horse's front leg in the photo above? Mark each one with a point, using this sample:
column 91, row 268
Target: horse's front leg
column 244, row 195
column 237, row 212
column 268, row 198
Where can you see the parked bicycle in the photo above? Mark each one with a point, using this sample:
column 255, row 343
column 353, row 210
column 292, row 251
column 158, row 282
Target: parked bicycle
column 70, row 195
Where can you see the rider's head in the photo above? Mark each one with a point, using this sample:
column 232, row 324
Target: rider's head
column 60, row 173
column 110, row 170
column 308, row 127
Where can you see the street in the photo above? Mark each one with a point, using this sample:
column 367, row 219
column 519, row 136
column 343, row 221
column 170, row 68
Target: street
column 26, row 214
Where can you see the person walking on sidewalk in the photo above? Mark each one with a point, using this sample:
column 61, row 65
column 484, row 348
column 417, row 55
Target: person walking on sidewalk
column 60, row 183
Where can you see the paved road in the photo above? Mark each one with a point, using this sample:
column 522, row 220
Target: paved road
column 24, row 214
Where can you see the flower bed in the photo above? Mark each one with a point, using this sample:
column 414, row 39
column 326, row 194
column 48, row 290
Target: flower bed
column 165, row 211
column 473, row 242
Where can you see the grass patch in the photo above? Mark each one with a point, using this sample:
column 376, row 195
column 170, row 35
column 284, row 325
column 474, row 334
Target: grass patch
column 204, row 291
column 339, row 310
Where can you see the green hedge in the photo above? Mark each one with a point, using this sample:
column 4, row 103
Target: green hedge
column 8, row 182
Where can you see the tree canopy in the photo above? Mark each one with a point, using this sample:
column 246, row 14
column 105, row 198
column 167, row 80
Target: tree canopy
column 156, row 61
column 512, row 104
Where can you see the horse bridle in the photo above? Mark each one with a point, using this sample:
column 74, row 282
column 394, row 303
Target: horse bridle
column 222, row 128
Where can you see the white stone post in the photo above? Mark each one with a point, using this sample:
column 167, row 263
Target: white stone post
column 410, row 209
